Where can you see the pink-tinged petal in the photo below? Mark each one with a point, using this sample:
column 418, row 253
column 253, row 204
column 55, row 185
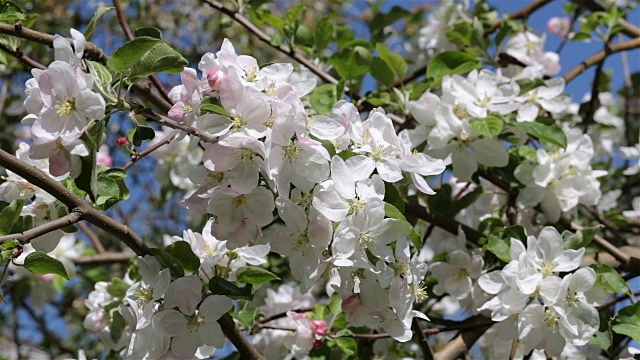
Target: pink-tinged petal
column 59, row 163
column 90, row 104
column 62, row 49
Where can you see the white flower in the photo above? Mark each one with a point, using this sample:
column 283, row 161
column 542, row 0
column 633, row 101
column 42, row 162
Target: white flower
column 192, row 330
column 152, row 287
column 455, row 275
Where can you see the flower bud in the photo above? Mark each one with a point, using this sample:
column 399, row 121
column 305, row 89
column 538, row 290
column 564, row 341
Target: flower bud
column 318, row 343
column 214, row 77
column 122, row 142
column 46, row 277
column 319, row 327
column 559, row 26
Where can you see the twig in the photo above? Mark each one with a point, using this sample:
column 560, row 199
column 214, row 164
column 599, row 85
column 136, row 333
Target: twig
column 103, row 258
column 595, row 90
column 92, row 236
column 628, row 88
column 460, row 344
column 152, row 116
column 139, row 155
column 293, row 53
column 421, row 339
column 231, row 331
column 22, row 57
column 520, row 14
column 26, row 236
column 75, row 204
column 615, row 301
column 599, row 57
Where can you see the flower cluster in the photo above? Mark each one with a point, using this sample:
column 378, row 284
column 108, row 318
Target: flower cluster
column 549, row 309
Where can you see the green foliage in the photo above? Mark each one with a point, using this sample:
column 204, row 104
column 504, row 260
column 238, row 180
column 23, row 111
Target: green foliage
column 167, row 261
column 490, row 126
column 97, row 17
column 499, row 242
column 41, row 264
column 9, row 214
column 609, row 279
column 87, row 181
column 627, row 322
column 395, row 62
column 10, row 11
column 254, row 275
column 415, row 236
column 181, row 251
column 451, row 63
column 111, row 188
column 139, row 134
column 580, row 238
column 323, row 98
column 148, row 32
column 220, row 286
column 131, row 52
column 247, row 317
column 604, row 337
column 323, row 33
column 542, row 132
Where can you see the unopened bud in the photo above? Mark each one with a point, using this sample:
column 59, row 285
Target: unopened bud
column 214, row 77
column 122, row 142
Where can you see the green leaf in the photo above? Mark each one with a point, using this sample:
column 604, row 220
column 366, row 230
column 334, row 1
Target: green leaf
column 161, row 58
column 320, row 312
column 396, row 63
column 254, row 275
column 348, row 346
column 627, row 322
column 527, row 85
column 580, row 238
column 41, row 264
column 208, row 105
column 304, row 36
column 88, row 178
column 415, row 236
column 182, row 251
column 381, row 71
column 139, row 134
column 149, row 32
column 167, row 261
column 604, row 337
column 10, row 11
column 111, row 188
column 335, row 306
column 117, row 326
column 322, row 33
column 460, row 33
column 93, row 23
column 220, row 286
column 490, row 127
column 551, row 134
column 247, row 317
column 451, row 63
column 100, row 73
column 392, row 196
column 393, row 212
column 323, row 98
column 131, row 52
column 344, row 61
column 500, row 247
column 118, row 288
column 9, row 215
column 609, row 279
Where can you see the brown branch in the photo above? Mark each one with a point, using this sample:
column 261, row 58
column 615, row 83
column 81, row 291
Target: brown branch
column 57, row 224
column 421, row 339
column 103, row 258
column 22, row 57
column 154, row 117
column 615, row 301
column 95, row 240
column 233, row 333
column 520, row 14
column 75, row 204
column 604, row 258
column 600, row 56
column 460, row 344
column 291, row 52
column 139, row 155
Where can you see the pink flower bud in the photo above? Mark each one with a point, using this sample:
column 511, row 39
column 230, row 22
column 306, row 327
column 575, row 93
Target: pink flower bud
column 214, row 77
column 351, row 303
column 319, row 327
column 559, row 26
column 122, row 142
column 46, row 277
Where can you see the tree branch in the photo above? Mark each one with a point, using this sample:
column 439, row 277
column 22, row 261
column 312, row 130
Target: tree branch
column 92, row 236
column 460, row 344
column 103, row 258
column 57, row 224
column 421, row 339
column 139, row 155
column 75, row 204
column 231, row 331
column 520, row 14
column 600, row 56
